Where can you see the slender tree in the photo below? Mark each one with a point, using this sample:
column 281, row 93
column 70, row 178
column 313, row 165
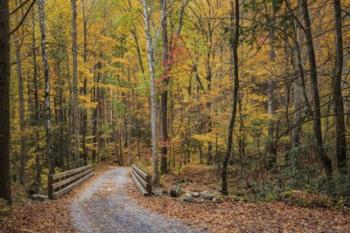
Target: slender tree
column 235, row 25
column 37, row 176
column 75, row 81
column 164, row 91
column 340, row 130
column 23, row 156
column 85, row 56
column 316, row 113
column 42, row 22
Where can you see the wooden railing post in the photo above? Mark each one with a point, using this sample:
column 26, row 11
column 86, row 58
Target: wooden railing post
column 49, row 187
column 149, row 186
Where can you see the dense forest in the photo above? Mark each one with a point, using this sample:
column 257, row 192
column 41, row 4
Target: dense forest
column 257, row 90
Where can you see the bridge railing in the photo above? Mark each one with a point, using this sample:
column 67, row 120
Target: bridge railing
column 64, row 182
column 142, row 180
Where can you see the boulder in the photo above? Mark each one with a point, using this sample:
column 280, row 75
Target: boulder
column 196, row 194
column 207, row 195
column 176, row 191
column 187, row 197
column 159, row 191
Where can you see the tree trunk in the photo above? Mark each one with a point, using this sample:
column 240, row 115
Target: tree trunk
column 49, row 154
column 23, row 155
column 5, row 181
column 234, row 49
column 75, row 102
column 299, row 88
column 84, row 111
column 298, row 107
column 340, row 138
column 153, row 96
column 271, row 144
column 316, row 114
column 37, row 176
column 42, row 19
column 164, row 92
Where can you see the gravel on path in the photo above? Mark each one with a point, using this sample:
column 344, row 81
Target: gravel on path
column 105, row 207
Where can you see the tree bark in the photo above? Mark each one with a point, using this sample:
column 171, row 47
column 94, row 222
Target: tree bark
column 37, row 176
column 5, row 181
column 42, row 19
column 271, row 102
column 23, row 156
column 164, row 92
column 316, row 113
column 340, row 130
column 153, row 96
column 234, row 49
column 84, row 111
column 75, row 102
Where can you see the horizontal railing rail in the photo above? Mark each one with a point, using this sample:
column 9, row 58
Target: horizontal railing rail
column 61, row 183
column 142, row 180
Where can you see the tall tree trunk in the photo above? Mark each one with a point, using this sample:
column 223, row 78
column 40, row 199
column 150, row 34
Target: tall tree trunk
column 75, row 82
column 153, row 96
column 340, row 140
column 298, row 110
column 164, row 91
column 234, row 49
column 95, row 117
column 84, row 111
column 37, row 176
column 5, row 181
column 271, row 102
column 42, row 20
column 299, row 88
column 316, row 114
column 23, row 156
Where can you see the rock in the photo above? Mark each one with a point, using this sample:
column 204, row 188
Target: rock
column 196, row 194
column 159, row 192
column 176, row 191
column 187, row 197
column 206, row 195
column 39, row 197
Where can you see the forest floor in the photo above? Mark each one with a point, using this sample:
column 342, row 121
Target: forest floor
column 229, row 215
column 109, row 202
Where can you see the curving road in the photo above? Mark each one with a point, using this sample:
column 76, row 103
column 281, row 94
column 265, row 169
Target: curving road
column 104, row 207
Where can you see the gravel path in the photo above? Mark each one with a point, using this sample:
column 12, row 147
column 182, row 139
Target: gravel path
column 105, row 207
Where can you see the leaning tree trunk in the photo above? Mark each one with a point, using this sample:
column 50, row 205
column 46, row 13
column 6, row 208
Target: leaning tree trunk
column 153, row 96
column 316, row 113
column 5, row 181
column 234, row 48
column 340, row 138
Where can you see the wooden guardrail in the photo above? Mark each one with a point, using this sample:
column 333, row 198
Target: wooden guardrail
column 64, row 182
column 142, row 180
